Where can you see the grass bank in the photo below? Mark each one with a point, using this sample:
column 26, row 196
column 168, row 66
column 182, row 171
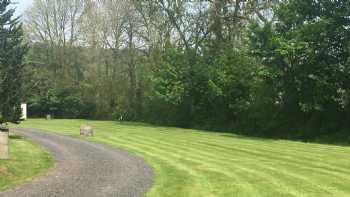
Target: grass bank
column 27, row 160
column 198, row 163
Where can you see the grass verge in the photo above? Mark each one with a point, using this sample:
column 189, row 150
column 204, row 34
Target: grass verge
column 27, row 160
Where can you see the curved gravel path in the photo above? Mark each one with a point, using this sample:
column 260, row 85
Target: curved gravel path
column 85, row 169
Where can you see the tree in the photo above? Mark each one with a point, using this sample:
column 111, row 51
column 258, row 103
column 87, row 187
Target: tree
column 306, row 53
column 189, row 63
column 55, row 24
column 12, row 51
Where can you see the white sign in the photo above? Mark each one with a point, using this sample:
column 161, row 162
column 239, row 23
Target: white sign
column 24, row 111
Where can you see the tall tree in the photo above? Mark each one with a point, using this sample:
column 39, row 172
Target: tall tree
column 12, row 51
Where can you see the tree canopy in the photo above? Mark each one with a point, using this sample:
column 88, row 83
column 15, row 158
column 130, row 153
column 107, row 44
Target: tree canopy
column 273, row 68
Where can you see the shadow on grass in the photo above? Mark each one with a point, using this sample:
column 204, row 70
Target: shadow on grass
column 324, row 140
column 248, row 137
column 16, row 137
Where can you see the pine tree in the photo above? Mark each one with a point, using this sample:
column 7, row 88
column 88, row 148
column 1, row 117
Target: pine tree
column 12, row 51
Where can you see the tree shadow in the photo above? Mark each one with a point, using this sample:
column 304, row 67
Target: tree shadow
column 328, row 140
column 16, row 137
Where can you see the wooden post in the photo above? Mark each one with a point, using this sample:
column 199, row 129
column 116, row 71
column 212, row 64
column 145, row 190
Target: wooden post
column 4, row 145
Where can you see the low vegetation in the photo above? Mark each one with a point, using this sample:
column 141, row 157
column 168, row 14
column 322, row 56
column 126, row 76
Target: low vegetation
column 200, row 163
column 27, row 161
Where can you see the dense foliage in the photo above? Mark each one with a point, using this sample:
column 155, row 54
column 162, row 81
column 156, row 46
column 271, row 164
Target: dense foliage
column 12, row 52
column 273, row 68
column 306, row 52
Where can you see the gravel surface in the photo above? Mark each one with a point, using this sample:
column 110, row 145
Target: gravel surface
column 85, row 169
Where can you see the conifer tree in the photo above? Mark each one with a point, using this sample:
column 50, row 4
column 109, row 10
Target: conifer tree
column 12, row 51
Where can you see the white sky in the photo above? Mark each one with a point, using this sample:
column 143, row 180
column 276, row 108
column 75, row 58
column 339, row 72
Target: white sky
column 22, row 5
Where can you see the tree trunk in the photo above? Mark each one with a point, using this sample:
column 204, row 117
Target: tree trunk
column 4, row 145
column 132, row 72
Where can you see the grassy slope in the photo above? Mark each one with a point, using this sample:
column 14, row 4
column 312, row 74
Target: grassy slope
column 27, row 160
column 197, row 163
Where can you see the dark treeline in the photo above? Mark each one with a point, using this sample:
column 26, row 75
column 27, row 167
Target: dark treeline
column 267, row 68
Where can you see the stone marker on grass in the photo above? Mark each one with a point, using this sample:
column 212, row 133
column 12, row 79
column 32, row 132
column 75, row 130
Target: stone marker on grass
column 86, row 130
column 4, row 143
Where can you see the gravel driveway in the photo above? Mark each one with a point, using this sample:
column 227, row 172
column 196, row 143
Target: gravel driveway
column 85, row 169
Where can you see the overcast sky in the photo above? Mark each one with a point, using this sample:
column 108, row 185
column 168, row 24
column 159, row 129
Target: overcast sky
column 22, row 5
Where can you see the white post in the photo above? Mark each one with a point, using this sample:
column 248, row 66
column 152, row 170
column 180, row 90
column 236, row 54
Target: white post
column 24, row 111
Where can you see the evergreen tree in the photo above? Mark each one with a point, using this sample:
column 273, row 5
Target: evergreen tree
column 12, row 51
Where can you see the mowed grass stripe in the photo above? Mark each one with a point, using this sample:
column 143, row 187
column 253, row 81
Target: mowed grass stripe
column 289, row 175
column 257, row 143
column 187, row 177
column 285, row 179
column 221, row 155
column 263, row 146
column 289, row 151
column 178, row 164
column 280, row 185
column 174, row 157
column 196, row 163
column 286, row 153
column 292, row 174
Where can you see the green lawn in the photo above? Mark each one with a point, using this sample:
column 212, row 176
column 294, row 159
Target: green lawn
column 27, row 160
column 198, row 163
